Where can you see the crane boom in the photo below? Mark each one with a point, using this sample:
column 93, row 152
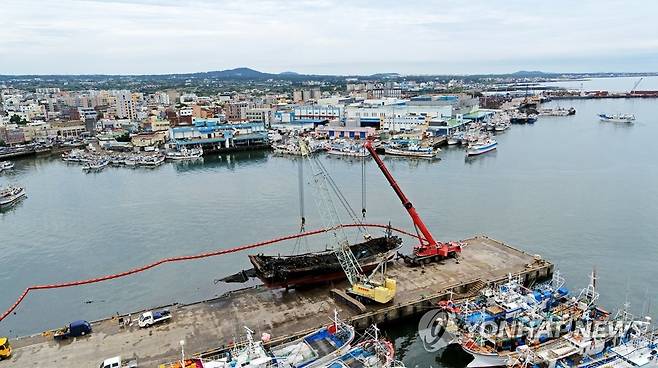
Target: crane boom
column 362, row 286
column 636, row 85
column 418, row 222
column 429, row 249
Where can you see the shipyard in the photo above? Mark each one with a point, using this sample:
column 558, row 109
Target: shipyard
column 281, row 184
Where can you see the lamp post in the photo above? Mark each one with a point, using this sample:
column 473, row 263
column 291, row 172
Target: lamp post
column 182, row 353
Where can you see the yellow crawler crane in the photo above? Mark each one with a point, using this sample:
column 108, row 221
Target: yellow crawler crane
column 364, row 288
column 5, row 348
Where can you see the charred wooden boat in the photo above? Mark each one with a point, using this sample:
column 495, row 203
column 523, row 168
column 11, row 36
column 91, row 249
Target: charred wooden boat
column 314, row 268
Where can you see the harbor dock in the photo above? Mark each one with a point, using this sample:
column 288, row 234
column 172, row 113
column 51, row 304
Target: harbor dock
column 209, row 326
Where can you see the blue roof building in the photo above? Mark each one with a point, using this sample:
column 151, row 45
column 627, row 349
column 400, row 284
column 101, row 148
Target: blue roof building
column 214, row 136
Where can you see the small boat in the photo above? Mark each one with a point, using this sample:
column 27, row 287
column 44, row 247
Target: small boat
column 412, row 150
column 6, row 165
column 559, row 111
column 371, row 352
column 501, row 127
column 348, row 152
column 617, row 118
column 10, row 195
column 519, row 118
column 185, row 154
column 151, row 161
column 482, row 147
column 317, row 348
column 95, row 166
column 287, row 149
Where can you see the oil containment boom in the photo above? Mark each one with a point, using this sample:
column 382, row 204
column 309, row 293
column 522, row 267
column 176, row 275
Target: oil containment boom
column 429, row 249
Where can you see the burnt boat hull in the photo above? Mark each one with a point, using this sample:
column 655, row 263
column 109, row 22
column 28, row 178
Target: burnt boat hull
column 315, row 268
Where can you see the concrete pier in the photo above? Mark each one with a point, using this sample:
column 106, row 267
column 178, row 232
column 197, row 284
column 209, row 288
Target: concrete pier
column 210, row 325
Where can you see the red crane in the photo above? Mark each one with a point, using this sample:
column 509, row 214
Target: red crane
column 429, row 249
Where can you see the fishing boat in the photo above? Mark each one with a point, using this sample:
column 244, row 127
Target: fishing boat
column 627, row 344
column 151, row 161
column 315, row 267
column 640, row 352
column 501, row 127
column 371, row 352
column 559, row 111
column 184, row 154
column 520, row 118
column 481, row 147
column 11, row 195
column 525, row 317
column 411, row 150
column 348, row 152
column 317, row 348
column 455, row 139
column 287, row 149
column 95, row 166
column 617, row 118
column 6, row 165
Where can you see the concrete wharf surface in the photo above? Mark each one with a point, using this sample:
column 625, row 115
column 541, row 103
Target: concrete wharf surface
column 210, row 325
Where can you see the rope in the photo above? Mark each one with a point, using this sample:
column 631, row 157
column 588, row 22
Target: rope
column 183, row 258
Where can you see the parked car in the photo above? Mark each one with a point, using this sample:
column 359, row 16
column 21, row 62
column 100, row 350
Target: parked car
column 74, row 329
column 152, row 317
column 117, row 362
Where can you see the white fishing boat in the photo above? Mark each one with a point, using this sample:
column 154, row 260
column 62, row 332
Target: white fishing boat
column 481, row 147
column 95, row 166
column 287, row 149
column 130, row 162
column 184, row 154
column 151, row 161
column 617, row 118
column 348, row 151
column 6, row 165
column 10, row 195
column 455, row 139
column 412, row 150
column 558, row 111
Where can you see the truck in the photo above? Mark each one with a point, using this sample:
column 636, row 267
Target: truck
column 74, row 329
column 117, row 362
column 5, row 348
column 153, row 317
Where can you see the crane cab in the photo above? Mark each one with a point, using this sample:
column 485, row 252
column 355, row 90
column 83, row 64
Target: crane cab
column 378, row 292
column 5, row 348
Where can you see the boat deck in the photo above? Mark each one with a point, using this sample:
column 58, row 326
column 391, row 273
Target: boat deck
column 210, row 325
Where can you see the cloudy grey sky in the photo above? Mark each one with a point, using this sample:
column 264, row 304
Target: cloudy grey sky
column 327, row 36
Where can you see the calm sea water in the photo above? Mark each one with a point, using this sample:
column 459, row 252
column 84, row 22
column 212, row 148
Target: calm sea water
column 577, row 191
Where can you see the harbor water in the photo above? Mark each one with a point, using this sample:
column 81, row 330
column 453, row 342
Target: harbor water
column 575, row 190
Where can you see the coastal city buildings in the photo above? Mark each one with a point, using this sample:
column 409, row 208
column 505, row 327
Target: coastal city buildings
column 351, row 107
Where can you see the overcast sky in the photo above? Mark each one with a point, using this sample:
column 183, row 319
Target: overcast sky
column 326, row 36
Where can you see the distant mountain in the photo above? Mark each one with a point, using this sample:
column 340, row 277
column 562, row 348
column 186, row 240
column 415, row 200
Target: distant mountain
column 289, row 74
column 385, row 75
column 237, row 73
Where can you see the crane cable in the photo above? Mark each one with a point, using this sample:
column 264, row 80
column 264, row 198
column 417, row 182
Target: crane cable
column 302, row 216
column 363, row 185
